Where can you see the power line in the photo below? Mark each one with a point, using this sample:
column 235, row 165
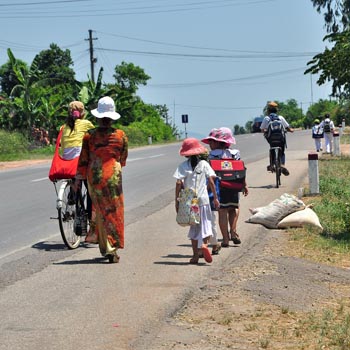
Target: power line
column 206, row 48
column 131, row 11
column 43, row 3
column 260, row 55
column 225, row 81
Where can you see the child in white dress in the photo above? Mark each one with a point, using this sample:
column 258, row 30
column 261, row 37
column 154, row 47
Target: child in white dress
column 193, row 173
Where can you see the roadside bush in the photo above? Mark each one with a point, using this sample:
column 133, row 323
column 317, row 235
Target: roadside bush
column 334, row 207
column 13, row 145
column 135, row 136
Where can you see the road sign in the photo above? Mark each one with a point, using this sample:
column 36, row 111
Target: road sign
column 184, row 118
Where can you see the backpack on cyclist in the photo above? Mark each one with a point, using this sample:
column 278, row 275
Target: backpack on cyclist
column 327, row 126
column 276, row 133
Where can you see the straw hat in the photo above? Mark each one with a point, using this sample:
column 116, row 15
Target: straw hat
column 76, row 106
column 272, row 104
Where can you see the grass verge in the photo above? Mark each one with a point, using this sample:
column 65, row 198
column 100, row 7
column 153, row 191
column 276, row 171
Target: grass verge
column 328, row 327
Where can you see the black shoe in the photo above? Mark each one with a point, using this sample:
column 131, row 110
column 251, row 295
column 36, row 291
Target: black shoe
column 112, row 258
column 284, row 171
column 216, row 250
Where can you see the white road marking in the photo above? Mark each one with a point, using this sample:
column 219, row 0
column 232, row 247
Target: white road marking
column 155, row 156
column 128, row 160
column 37, row 180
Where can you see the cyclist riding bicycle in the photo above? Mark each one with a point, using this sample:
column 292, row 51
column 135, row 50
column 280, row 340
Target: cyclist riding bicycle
column 274, row 127
column 74, row 130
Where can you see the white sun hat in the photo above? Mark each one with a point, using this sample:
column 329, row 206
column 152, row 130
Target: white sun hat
column 105, row 109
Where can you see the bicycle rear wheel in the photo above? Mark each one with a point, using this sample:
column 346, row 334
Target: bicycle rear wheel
column 66, row 206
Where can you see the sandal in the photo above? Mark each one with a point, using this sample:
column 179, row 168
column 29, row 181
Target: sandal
column 216, row 249
column 206, row 254
column 193, row 261
column 235, row 238
column 113, row 258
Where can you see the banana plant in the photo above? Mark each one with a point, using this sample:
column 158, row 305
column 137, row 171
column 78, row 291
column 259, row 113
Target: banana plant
column 28, row 79
column 91, row 92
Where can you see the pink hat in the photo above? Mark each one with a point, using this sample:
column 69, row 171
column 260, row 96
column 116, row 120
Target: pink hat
column 221, row 135
column 191, row 147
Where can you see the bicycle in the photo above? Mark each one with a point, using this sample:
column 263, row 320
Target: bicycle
column 275, row 163
column 72, row 213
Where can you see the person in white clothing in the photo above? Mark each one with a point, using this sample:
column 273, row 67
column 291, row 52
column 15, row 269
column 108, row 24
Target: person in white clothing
column 328, row 128
column 193, row 173
column 317, row 135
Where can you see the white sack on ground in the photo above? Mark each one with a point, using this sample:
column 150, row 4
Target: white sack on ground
column 273, row 213
column 301, row 218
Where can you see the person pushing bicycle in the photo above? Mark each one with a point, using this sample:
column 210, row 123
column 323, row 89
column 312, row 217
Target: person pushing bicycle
column 274, row 127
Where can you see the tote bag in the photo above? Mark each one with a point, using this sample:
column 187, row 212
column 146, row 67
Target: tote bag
column 62, row 168
column 188, row 213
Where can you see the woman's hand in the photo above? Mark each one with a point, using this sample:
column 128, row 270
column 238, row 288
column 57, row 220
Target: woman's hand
column 216, row 203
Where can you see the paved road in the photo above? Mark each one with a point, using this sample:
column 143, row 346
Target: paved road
column 77, row 300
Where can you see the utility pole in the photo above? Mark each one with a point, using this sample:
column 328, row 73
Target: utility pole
column 312, row 94
column 92, row 59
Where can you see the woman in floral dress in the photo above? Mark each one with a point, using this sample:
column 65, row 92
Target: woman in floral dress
column 104, row 153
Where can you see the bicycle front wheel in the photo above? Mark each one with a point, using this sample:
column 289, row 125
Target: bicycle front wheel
column 66, row 207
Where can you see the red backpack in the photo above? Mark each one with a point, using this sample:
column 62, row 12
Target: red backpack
column 231, row 172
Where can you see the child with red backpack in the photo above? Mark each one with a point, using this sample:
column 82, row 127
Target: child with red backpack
column 220, row 141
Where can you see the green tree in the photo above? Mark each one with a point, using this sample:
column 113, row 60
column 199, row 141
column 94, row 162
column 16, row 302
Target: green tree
column 23, row 91
column 128, row 78
column 333, row 64
column 163, row 111
column 8, row 79
column 319, row 109
column 291, row 112
column 336, row 14
column 55, row 65
column 248, row 126
column 236, row 129
column 90, row 92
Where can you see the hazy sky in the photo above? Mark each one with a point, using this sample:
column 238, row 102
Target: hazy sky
column 218, row 61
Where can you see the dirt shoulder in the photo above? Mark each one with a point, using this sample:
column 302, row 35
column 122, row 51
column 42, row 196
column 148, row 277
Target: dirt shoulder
column 259, row 300
column 22, row 163
column 264, row 296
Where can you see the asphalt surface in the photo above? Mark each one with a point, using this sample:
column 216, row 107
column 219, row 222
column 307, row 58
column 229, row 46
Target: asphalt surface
column 81, row 301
